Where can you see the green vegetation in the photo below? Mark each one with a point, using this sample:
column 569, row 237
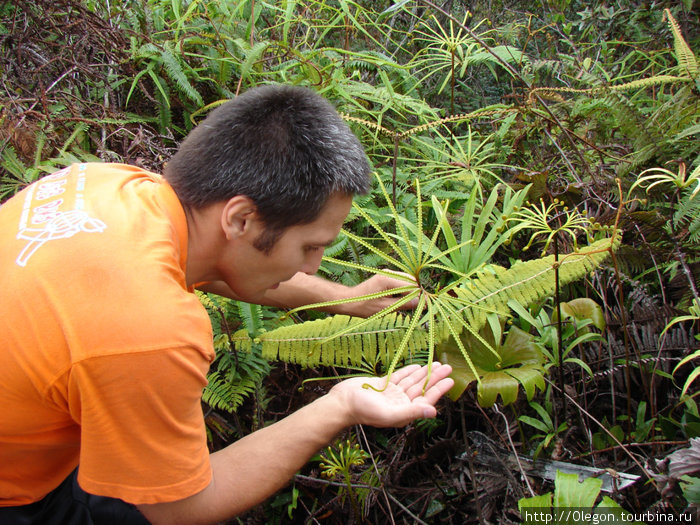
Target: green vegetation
column 537, row 181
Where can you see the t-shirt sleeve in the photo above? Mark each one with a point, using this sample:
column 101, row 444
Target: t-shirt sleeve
column 143, row 437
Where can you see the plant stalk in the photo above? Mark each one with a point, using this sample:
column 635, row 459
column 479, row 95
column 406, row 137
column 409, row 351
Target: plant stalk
column 560, row 343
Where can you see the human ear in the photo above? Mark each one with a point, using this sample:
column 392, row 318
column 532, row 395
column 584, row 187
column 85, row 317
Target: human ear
column 237, row 216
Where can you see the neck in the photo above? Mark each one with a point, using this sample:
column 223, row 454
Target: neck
column 202, row 244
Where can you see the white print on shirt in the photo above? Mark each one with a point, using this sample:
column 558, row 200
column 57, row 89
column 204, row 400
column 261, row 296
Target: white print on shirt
column 42, row 219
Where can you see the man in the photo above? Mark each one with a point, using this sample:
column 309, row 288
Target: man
column 105, row 347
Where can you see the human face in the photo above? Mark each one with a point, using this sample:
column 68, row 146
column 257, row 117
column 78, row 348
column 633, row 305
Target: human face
column 250, row 273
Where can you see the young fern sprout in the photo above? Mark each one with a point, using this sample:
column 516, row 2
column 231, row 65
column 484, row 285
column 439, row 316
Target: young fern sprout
column 540, row 219
column 443, row 50
column 655, row 176
column 341, row 461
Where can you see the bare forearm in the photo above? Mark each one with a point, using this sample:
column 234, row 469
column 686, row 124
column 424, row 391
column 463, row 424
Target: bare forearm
column 250, row 470
column 269, row 458
column 255, row 467
column 302, row 290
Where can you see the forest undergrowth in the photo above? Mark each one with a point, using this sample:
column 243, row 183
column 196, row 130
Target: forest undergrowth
column 537, row 174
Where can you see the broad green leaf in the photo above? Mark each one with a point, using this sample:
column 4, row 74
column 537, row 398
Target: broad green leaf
column 610, row 511
column 535, row 503
column 544, row 415
column 530, row 378
column 691, row 489
column 536, row 423
column 494, row 383
column 501, row 368
column 569, row 492
column 583, row 308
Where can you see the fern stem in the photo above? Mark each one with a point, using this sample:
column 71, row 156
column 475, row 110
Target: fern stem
column 452, row 83
column 351, row 495
column 627, row 341
column 560, row 343
column 393, row 168
column 515, row 450
column 252, row 23
column 417, row 314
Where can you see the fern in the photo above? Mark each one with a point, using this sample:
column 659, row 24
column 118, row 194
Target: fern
column 315, row 343
column 445, row 307
column 233, row 377
column 686, row 59
column 223, row 394
column 687, row 215
column 175, row 71
column 252, row 317
column 642, row 83
column 529, row 281
column 252, row 55
column 312, row 343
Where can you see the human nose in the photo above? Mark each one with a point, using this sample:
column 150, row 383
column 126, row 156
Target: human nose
column 312, row 262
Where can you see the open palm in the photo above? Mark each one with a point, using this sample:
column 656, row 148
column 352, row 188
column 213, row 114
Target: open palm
column 405, row 398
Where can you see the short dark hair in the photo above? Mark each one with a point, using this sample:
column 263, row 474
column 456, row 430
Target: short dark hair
column 284, row 147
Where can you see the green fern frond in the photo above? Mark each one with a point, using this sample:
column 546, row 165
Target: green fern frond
column 346, row 341
column 312, row 343
column 367, row 123
column 10, row 162
column 165, row 115
column 174, row 68
column 508, row 54
column 687, row 215
column 529, row 281
column 483, row 112
column 252, row 54
column 686, row 57
column 554, row 92
column 489, row 111
column 252, row 316
column 371, row 61
column 645, row 83
column 223, row 394
column 206, row 300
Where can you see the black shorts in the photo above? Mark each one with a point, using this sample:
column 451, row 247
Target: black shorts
column 68, row 504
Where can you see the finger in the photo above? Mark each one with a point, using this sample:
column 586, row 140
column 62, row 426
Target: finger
column 419, row 376
column 402, row 373
column 402, row 278
column 435, row 392
column 424, row 406
column 423, row 384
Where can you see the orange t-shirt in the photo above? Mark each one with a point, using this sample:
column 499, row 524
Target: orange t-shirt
column 104, row 350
